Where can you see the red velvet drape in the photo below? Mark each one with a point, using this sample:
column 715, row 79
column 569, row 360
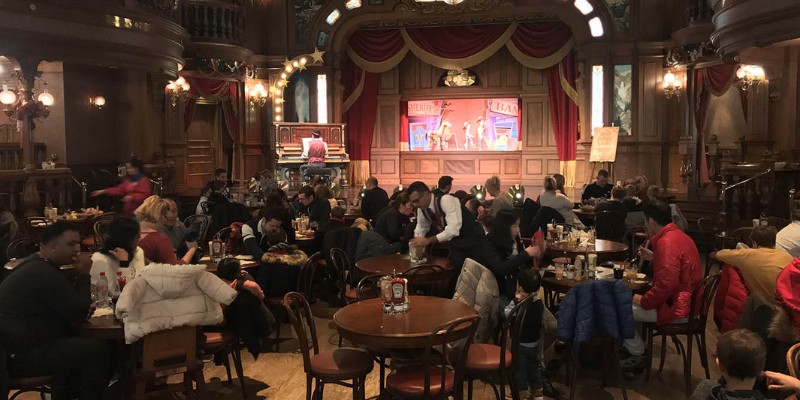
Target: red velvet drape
column 456, row 41
column 404, row 122
column 360, row 117
column 716, row 80
column 376, row 45
column 563, row 109
column 214, row 90
column 541, row 39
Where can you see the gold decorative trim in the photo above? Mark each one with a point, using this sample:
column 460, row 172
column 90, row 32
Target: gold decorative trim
column 568, row 168
column 544, row 62
column 569, row 90
column 459, row 63
column 378, row 67
column 711, row 89
column 356, row 93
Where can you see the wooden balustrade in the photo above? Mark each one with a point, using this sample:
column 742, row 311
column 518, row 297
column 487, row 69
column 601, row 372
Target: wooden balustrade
column 765, row 195
column 167, row 8
column 11, row 155
column 28, row 192
column 214, row 21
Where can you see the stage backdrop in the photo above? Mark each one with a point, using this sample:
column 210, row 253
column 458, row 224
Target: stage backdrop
column 536, row 45
column 463, row 125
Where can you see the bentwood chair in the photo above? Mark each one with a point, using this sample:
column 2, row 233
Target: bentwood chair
column 610, row 225
column 426, row 280
column 21, row 248
column 305, row 279
column 170, row 352
column 435, row 377
column 793, row 360
column 346, row 275
column 486, row 358
column 708, row 242
column 694, row 330
column 18, row 386
column 225, row 344
column 336, row 366
column 198, row 223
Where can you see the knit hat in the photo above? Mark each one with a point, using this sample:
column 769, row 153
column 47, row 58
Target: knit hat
column 284, row 247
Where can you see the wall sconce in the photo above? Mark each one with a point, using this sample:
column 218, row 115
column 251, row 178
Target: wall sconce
column 98, row 101
column 672, row 84
column 258, row 96
column 178, row 90
column 749, row 76
column 479, row 191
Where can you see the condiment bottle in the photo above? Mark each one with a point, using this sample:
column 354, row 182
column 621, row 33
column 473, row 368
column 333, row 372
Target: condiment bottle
column 398, row 293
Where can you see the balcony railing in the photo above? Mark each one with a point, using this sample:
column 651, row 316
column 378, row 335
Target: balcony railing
column 214, row 21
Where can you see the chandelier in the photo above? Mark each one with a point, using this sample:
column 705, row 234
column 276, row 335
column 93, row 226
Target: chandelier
column 749, row 76
column 17, row 107
column 178, row 90
column 672, row 85
column 258, row 96
column 460, row 78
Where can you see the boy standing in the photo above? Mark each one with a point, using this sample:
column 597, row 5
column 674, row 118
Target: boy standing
column 527, row 361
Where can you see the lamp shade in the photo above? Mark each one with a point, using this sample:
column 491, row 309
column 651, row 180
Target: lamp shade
column 8, row 97
column 479, row 191
column 517, row 192
column 46, row 98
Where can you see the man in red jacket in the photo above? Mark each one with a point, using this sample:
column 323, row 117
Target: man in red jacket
column 676, row 271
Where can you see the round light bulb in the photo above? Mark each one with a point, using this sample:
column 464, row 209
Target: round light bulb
column 277, row 118
column 171, row 86
column 758, row 72
column 277, row 109
column 295, row 64
column 303, row 61
column 259, row 88
column 283, row 75
column 46, row 98
column 278, row 92
column 280, row 83
column 8, row 97
column 289, row 69
column 180, row 81
column 740, row 73
column 185, row 87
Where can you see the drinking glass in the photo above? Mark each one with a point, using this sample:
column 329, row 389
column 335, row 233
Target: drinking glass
column 559, row 271
column 631, row 271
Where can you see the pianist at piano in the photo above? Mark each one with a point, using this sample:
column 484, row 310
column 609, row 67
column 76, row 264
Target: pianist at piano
column 292, row 148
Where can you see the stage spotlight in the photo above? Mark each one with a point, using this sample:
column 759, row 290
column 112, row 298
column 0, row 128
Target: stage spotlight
column 479, row 191
column 517, row 192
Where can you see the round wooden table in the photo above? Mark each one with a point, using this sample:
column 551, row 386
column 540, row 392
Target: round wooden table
column 549, row 282
column 105, row 327
column 399, row 263
column 365, row 323
column 606, row 250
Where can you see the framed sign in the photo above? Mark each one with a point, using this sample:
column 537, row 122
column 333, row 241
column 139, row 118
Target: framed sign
column 604, row 144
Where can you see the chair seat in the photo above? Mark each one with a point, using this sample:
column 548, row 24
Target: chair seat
column 219, row 338
column 681, row 328
column 410, row 380
column 342, row 363
column 486, row 357
column 31, row 382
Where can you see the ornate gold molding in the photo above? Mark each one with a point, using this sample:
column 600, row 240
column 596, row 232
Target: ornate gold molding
column 438, row 7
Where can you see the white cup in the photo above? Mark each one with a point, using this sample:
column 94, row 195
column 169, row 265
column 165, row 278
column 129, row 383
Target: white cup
column 756, row 222
column 764, row 222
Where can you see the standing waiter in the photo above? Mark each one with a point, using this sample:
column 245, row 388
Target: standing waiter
column 451, row 220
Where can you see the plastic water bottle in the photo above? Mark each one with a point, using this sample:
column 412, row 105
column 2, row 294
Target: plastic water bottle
column 102, row 291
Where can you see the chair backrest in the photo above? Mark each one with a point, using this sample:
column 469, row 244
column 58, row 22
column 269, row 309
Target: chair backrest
column 512, row 325
column 344, row 268
column 544, row 216
column 426, row 280
column 22, row 247
column 223, row 234
column 633, row 237
column 438, row 339
column 173, row 348
column 302, row 320
column 305, row 279
column 369, row 287
column 199, row 223
column 793, row 360
column 610, row 225
column 100, row 230
column 778, row 222
column 702, row 298
column 742, row 235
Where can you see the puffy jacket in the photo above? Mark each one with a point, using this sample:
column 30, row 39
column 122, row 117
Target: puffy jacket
column 166, row 296
column 277, row 274
column 477, row 288
column 730, row 298
column 593, row 308
column 676, row 271
column 787, row 291
column 139, row 189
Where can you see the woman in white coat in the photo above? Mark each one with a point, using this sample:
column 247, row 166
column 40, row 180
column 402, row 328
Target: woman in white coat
column 119, row 253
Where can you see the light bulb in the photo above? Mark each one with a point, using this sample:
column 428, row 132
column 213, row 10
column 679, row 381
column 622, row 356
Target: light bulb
column 283, row 75
column 758, row 72
column 277, row 109
column 171, row 86
column 7, row 97
column 46, row 98
column 295, row 64
column 185, row 87
column 278, row 92
column 741, row 72
column 303, row 61
column 180, row 81
column 259, row 88
column 277, row 118
column 280, row 83
column 289, row 69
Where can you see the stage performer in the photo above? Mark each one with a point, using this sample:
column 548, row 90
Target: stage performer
column 469, row 138
column 315, row 153
column 481, row 129
column 446, row 135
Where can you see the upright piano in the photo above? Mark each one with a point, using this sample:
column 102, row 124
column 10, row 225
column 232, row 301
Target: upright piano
column 289, row 150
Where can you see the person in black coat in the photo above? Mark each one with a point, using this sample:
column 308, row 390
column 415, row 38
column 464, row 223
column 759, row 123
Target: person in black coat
column 614, row 205
column 393, row 223
column 374, row 200
column 317, row 210
column 504, row 254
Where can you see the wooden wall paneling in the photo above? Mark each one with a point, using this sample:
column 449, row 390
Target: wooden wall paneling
column 651, row 100
column 534, row 80
column 758, row 113
column 535, row 119
column 389, row 83
column 408, row 72
column 489, row 166
column 494, row 71
column 388, row 123
column 427, row 77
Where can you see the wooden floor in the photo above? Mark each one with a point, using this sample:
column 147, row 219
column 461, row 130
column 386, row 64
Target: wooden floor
column 281, row 377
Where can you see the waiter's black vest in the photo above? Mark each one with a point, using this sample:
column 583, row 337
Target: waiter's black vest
column 471, row 231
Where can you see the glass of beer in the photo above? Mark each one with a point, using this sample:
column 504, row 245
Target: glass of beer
column 559, row 271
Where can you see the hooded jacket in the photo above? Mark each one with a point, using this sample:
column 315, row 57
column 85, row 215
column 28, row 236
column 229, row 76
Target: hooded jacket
column 477, row 288
column 676, row 271
column 596, row 308
column 278, row 271
column 167, row 296
column 730, row 298
column 787, row 291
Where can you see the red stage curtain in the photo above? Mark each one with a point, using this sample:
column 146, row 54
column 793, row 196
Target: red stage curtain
column 456, row 41
column 404, row 125
column 359, row 117
column 541, row 39
column 563, row 109
column 214, row 90
column 377, row 46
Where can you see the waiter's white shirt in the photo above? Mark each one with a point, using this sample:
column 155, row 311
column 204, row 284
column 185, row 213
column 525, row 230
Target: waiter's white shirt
column 451, row 207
